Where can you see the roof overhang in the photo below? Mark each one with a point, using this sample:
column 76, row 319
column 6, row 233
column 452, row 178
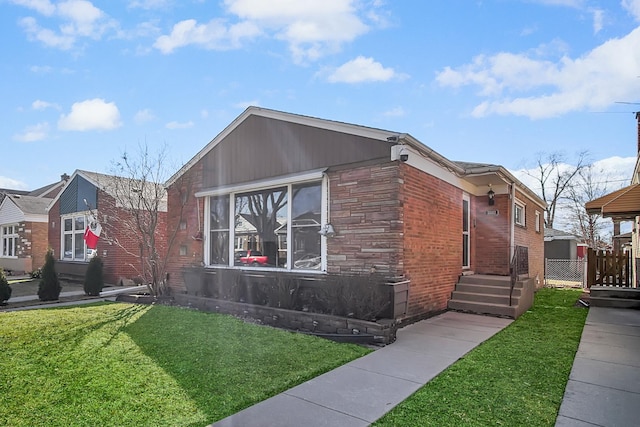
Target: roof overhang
column 623, row 204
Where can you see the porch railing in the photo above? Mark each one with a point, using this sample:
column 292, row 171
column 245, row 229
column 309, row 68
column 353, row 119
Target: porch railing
column 519, row 266
column 608, row 268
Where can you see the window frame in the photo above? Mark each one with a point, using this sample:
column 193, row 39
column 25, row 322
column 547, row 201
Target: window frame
column 11, row 238
column 289, row 182
column 523, row 207
column 538, row 227
column 74, row 233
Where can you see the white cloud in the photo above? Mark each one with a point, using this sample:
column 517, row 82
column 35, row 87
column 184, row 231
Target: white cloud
column 361, row 70
column 78, row 18
column 92, row 114
column 33, row 133
column 214, row 35
column 149, row 4
column 526, row 85
column 633, row 7
column 394, row 112
column 178, row 125
column 11, row 183
column 598, row 18
column 310, row 28
column 43, row 105
column 144, row 116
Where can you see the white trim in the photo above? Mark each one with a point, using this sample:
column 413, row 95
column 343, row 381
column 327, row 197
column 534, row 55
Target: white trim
column 516, row 204
column 314, row 175
column 538, row 227
column 466, row 235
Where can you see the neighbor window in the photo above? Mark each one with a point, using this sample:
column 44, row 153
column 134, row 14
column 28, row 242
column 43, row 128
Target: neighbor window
column 538, row 221
column 274, row 227
column 9, row 240
column 73, row 245
column 519, row 213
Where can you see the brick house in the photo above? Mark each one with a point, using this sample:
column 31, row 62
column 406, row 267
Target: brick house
column 354, row 199
column 111, row 200
column 23, row 227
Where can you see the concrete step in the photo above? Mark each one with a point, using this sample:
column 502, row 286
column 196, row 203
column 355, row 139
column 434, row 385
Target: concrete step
column 483, row 308
column 486, row 280
column 482, row 297
column 615, row 292
column 614, row 302
column 488, row 289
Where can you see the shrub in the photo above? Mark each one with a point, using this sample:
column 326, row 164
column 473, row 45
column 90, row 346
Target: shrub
column 5, row 289
column 94, row 278
column 49, row 287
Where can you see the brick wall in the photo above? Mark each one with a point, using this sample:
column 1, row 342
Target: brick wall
column 366, row 213
column 532, row 239
column 490, row 248
column 54, row 229
column 188, row 184
column 39, row 242
column 432, row 239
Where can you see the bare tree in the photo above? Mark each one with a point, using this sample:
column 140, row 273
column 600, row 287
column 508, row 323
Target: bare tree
column 555, row 177
column 588, row 185
column 140, row 201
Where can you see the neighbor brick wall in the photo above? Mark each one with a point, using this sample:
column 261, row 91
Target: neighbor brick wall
column 189, row 184
column 37, row 233
column 54, row 229
column 432, row 239
column 490, row 250
column 366, row 213
column 532, row 239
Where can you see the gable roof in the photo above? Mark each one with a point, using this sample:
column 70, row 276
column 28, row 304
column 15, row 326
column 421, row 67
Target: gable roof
column 30, row 204
column 110, row 184
column 551, row 234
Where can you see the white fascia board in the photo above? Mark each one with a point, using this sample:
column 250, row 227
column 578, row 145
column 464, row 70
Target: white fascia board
column 314, row 175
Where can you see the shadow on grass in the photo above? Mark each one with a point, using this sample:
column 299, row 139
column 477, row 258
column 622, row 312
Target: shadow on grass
column 225, row 364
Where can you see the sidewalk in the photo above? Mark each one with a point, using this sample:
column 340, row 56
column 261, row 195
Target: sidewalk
column 604, row 385
column 362, row 391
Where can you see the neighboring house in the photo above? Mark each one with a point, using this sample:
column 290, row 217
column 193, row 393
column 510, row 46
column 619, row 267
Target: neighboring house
column 353, row 199
column 559, row 244
column 90, row 196
column 624, row 205
column 23, row 227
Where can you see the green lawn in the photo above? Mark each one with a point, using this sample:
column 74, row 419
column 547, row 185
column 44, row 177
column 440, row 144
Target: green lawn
column 134, row 365
column 516, row 378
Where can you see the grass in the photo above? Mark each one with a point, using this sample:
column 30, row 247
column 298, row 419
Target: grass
column 516, row 378
column 134, row 365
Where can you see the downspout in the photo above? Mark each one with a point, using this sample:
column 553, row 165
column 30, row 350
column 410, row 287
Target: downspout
column 512, row 239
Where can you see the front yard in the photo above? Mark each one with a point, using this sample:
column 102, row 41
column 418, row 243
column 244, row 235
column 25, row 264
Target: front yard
column 133, row 365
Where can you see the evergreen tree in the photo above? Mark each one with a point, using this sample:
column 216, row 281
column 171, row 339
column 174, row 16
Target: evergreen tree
column 94, row 278
column 5, row 289
column 49, row 287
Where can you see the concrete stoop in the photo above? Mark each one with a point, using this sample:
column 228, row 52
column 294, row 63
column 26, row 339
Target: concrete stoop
column 614, row 297
column 483, row 294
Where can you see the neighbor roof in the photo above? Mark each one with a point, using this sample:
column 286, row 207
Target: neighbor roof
column 30, row 204
column 623, row 203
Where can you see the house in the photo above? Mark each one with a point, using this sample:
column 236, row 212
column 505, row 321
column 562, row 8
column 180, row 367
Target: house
column 559, row 244
column 356, row 200
column 115, row 203
column 23, row 227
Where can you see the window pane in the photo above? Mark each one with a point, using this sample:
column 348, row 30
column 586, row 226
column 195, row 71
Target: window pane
column 79, row 247
column 465, row 215
column 219, row 207
column 79, row 223
column 219, row 254
column 260, row 218
column 68, row 246
column 305, row 224
column 68, row 224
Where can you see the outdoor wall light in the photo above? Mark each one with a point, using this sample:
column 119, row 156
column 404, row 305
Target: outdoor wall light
column 327, row 230
column 491, row 195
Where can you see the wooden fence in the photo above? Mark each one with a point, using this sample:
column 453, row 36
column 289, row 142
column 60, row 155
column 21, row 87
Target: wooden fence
column 608, row 268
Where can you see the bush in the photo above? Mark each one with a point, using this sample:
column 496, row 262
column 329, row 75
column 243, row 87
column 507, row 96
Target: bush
column 94, row 278
column 49, row 287
column 5, row 289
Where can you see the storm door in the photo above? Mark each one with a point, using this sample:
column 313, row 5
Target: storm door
column 466, row 228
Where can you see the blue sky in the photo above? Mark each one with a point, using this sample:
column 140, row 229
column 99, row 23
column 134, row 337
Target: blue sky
column 495, row 81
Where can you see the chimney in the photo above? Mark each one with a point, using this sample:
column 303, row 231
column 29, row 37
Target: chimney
column 65, row 177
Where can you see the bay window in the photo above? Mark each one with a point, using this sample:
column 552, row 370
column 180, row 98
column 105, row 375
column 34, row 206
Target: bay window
column 274, row 227
column 9, row 241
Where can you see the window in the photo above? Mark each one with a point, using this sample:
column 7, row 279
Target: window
column 9, row 240
column 274, row 227
column 519, row 213
column 73, row 245
column 538, row 221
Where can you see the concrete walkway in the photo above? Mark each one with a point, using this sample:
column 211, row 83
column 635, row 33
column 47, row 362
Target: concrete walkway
column 362, row 391
column 604, row 385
